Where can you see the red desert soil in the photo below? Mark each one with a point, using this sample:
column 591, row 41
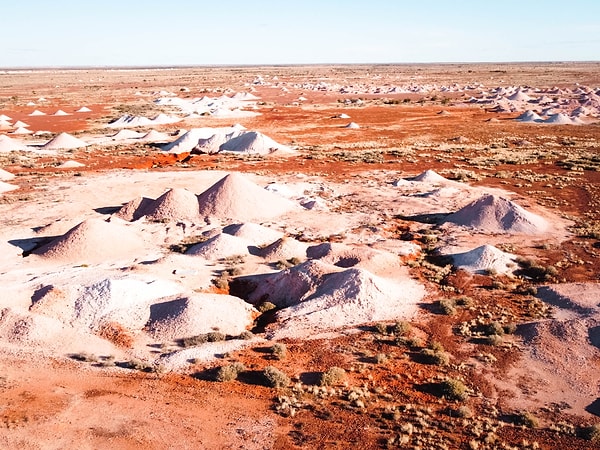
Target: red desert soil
column 58, row 403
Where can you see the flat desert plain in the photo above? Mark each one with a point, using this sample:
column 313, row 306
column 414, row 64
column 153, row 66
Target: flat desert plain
column 386, row 256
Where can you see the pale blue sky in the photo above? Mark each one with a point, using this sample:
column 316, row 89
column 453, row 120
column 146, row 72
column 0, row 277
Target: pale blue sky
column 185, row 32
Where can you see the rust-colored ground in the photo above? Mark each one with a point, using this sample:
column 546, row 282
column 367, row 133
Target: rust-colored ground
column 58, row 404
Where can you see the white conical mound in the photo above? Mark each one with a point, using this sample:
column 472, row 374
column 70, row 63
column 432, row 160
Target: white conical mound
column 22, row 130
column 255, row 143
column 321, row 298
column 213, row 144
column 6, row 187
column 221, row 246
column 430, row 176
column 155, row 136
column 60, row 112
column 64, row 141
column 353, row 126
column 126, row 134
column 484, row 259
column 283, row 249
column 235, row 197
column 560, row 119
column 494, row 214
column 83, row 109
column 200, row 314
column 93, row 240
column 529, row 116
column 189, row 140
column 258, row 235
column 6, row 176
column 8, row 144
column 37, row 113
column 175, row 204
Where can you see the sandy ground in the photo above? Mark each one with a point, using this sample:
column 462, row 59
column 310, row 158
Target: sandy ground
column 361, row 182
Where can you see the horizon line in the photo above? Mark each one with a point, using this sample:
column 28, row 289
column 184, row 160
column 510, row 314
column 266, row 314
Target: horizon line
column 198, row 66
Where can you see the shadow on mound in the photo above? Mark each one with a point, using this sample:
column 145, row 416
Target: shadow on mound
column 28, row 245
column 435, row 218
column 594, row 407
column 108, row 210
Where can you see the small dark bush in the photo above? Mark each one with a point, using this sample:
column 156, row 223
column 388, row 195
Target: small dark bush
column 438, row 358
column 527, row 419
column 332, row 376
column 229, row 372
column 279, row 351
column 453, row 389
column 266, row 306
column 401, row 328
column 447, row 306
column 275, row 378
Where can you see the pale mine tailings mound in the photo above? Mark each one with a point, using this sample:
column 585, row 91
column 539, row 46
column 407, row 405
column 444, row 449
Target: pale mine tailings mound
column 258, row 235
column 221, row 246
column 485, row 259
column 284, row 248
column 5, row 175
column 95, row 241
column 566, row 349
column 236, row 198
column 64, row 141
column 175, row 204
column 495, row 214
column 318, row 297
column 199, row 314
column 254, row 142
column 125, row 301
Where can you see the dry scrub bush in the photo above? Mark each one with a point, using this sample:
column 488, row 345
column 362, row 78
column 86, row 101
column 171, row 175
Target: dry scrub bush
column 279, row 351
column 527, row 419
column 266, row 306
column 447, row 306
column 332, row 376
column 275, row 378
column 193, row 341
column 453, row 389
column 229, row 372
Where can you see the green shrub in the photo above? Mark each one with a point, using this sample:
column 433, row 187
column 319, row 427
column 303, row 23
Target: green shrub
column 278, row 350
column 275, row 378
column 453, row 389
column 332, row 376
column 229, row 372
